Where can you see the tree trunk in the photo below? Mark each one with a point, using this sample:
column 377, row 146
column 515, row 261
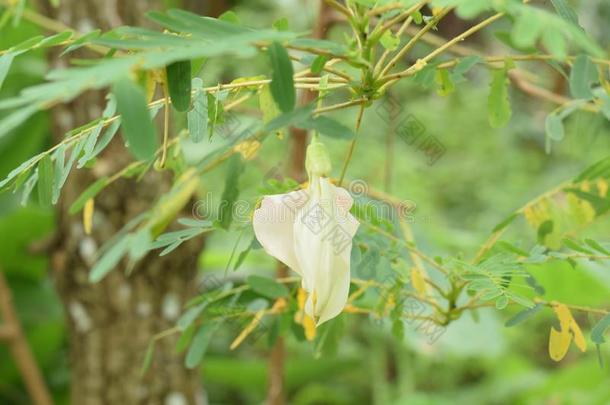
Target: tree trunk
column 112, row 322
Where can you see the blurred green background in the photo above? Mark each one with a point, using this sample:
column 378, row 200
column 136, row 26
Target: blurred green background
column 482, row 177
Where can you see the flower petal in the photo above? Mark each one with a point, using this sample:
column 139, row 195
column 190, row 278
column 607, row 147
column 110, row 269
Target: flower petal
column 323, row 234
column 273, row 224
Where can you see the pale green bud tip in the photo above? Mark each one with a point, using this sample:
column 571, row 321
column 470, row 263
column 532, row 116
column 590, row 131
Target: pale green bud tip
column 317, row 161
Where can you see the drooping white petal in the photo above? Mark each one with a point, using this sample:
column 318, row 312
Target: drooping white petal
column 323, row 234
column 273, row 224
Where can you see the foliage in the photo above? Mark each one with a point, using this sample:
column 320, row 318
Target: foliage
column 356, row 71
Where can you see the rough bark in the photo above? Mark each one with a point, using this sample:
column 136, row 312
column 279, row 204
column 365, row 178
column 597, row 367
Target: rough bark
column 111, row 323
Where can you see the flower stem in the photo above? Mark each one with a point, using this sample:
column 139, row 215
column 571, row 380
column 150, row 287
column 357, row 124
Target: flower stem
column 352, row 145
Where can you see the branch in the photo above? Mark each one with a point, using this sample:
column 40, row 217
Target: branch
column 402, row 52
column 26, row 363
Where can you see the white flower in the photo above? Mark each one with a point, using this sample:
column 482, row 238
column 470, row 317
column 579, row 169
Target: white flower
column 311, row 231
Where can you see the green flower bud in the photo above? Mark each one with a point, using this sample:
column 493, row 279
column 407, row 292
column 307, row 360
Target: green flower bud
column 317, row 161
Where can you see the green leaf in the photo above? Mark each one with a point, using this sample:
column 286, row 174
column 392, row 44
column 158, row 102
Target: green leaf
column 138, row 130
column 81, row 41
column 197, row 118
column 56, row 39
column 327, row 126
column 582, row 76
column 520, row 299
column 506, row 222
column 281, row 24
column 426, row 76
column 5, row 64
column 185, row 339
column 597, row 333
column 554, row 40
column 523, row 315
column 199, row 345
column 511, row 248
column 231, row 191
column 215, row 112
column 499, row 110
column 316, row 66
column 463, row 67
column 471, row 8
column 28, row 44
column 526, row 30
column 88, row 145
column 600, row 169
column 553, row 126
column 45, row 181
column 294, row 117
column 282, row 82
column 545, row 229
column 417, row 17
column 565, row 11
column 230, row 17
column 267, row 287
column 109, row 134
column 179, row 83
column 569, row 243
column 596, row 246
column 389, row 41
column 148, row 357
column 501, row 302
column 18, row 117
column 445, row 83
column 62, row 172
column 110, row 259
column 191, row 314
column 90, row 192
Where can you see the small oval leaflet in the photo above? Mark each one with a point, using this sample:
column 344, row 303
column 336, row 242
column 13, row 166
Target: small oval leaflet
column 282, row 82
column 179, row 83
column 138, row 129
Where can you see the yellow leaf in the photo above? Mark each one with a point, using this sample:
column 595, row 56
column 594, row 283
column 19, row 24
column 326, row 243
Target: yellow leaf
column 248, row 329
column 268, row 107
column 579, row 339
column 569, row 325
column 248, row 149
column 530, row 216
column 559, row 342
column 310, row 327
column 88, row 216
column 151, row 86
column 564, row 315
column 436, row 11
column 418, row 280
column 171, row 203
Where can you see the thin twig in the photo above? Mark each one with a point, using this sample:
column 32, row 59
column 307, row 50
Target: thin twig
column 26, row 363
column 352, row 144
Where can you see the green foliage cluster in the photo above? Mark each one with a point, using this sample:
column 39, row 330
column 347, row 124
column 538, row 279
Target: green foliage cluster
column 353, row 71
